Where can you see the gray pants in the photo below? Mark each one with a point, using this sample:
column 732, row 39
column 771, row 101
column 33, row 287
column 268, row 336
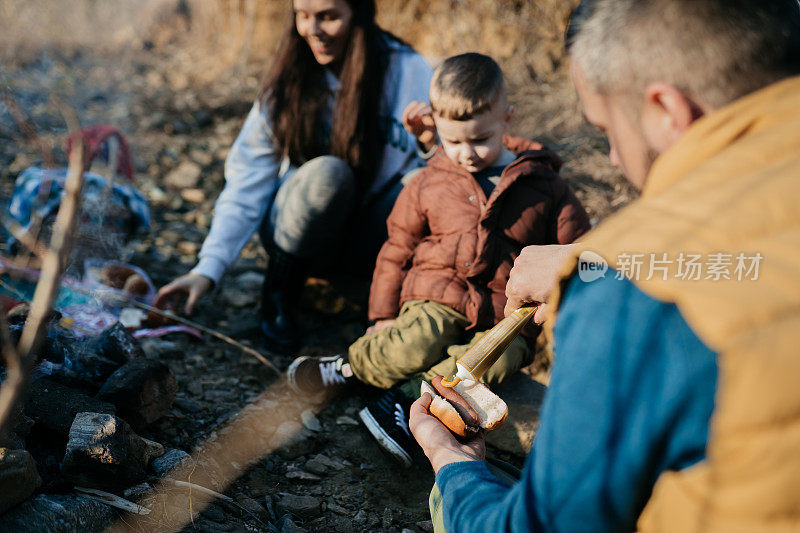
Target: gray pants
column 316, row 214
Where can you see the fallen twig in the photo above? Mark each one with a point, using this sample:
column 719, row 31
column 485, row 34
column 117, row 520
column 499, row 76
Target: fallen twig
column 201, row 489
column 113, row 500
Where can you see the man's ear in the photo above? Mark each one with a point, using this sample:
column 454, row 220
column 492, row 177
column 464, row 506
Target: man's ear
column 667, row 113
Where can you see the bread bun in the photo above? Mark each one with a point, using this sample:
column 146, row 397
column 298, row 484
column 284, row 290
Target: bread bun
column 447, row 414
column 491, row 409
column 486, row 409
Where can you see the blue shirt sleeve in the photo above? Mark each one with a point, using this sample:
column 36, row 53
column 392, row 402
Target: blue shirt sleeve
column 631, row 396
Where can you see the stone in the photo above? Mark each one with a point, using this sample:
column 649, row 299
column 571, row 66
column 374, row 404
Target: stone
column 142, row 391
column 169, row 461
column 387, row 518
column 187, row 247
column 193, row 196
column 315, row 466
column 213, row 512
column 18, row 477
column 18, row 427
column 305, row 507
column 117, row 344
column 331, row 462
column 426, row 526
column 185, row 176
column 58, row 513
column 249, row 281
column 104, row 452
column 12, row 441
column 302, row 476
column 345, row 420
column 54, row 406
column 310, row 421
column 360, row 517
column 269, row 505
column 154, row 449
column 187, row 405
column 524, row 397
column 338, row 509
column 294, row 439
column 286, row 525
column 253, row 507
column 201, row 157
column 195, row 388
column 136, row 492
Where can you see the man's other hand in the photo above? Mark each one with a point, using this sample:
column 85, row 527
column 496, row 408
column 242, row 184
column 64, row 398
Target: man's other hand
column 533, row 277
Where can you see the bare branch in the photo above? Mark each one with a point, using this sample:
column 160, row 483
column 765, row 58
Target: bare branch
column 53, row 265
column 24, row 236
column 13, row 366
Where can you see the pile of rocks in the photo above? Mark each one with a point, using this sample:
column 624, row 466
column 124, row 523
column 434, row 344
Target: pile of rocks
column 78, row 427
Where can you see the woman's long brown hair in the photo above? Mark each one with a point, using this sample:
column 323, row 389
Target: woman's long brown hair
column 295, row 94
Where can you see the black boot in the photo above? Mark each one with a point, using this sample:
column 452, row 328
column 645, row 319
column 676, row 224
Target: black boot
column 283, row 283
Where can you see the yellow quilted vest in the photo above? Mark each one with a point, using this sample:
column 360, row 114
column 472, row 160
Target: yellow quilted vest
column 728, row 191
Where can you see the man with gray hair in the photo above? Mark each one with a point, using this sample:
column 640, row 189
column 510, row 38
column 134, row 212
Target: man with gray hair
column 673, row 403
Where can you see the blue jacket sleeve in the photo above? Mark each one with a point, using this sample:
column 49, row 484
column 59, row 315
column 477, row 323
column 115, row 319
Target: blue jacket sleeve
column 631, row 396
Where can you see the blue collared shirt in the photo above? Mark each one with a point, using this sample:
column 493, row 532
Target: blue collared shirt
column 631, row 396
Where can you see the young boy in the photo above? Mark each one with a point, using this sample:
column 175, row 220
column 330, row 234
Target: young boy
column 454, row 232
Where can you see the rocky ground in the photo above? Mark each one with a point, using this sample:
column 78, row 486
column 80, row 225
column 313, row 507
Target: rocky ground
column 331, row 476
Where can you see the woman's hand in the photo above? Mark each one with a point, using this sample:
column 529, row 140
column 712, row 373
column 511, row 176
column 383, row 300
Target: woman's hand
column 533, row 276
column 191, row 286
column 379, row 325
column 439, row 445
column 418, row 121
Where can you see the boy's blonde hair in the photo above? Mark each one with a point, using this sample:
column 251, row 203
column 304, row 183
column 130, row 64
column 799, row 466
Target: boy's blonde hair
column 466, row 85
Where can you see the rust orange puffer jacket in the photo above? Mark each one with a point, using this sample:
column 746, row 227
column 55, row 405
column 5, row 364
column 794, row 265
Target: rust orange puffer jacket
column 451, row 244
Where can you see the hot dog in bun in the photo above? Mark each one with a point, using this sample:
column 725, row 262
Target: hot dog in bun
column 465, row 408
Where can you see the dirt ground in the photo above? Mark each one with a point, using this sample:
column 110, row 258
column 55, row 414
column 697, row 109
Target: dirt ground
column 180, row 133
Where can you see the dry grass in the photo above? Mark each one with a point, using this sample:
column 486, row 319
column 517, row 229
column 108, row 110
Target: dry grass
column 27, row 26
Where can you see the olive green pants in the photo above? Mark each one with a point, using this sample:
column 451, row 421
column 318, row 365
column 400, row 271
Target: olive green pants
column 425, row 341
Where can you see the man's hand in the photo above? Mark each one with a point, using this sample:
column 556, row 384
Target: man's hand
column 191, row 286
column 379, row 325
column 533, row 277
column 418, row 121
column 439, row 445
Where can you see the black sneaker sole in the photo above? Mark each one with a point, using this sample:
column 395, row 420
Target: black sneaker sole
column 383, row 438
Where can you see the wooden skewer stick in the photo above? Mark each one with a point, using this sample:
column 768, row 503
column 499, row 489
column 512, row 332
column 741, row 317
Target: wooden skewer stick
column 204, row 329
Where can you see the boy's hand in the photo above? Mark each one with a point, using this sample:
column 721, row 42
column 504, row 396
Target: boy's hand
column 380, row 324
column 418, row 121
